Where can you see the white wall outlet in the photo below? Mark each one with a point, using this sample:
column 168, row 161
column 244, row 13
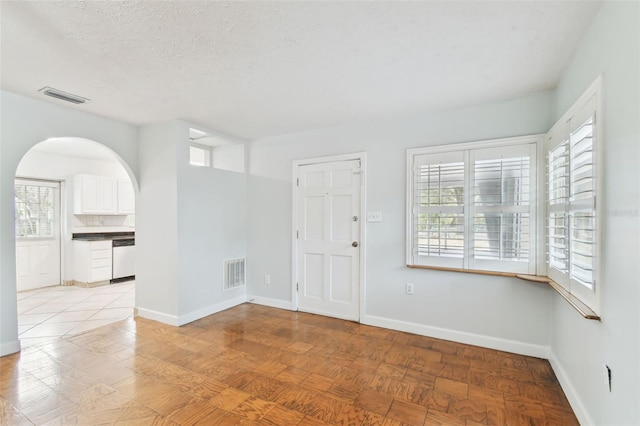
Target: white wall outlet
column 409, row 288
column 267, row 279
column 374, row 216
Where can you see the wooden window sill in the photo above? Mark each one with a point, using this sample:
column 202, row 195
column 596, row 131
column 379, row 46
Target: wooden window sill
column 576, row 303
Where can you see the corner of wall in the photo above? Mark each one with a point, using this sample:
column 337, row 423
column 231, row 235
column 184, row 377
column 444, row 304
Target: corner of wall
column 570, row 392
column 9, row 348
column 272, row 303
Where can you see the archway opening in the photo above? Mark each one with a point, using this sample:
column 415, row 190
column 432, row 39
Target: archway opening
column 74, row 198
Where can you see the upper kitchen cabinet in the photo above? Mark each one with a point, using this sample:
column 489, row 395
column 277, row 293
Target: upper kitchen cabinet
column 96, row 195
column 126, row 199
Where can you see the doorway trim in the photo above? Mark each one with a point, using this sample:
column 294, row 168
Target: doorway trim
column 362, row 156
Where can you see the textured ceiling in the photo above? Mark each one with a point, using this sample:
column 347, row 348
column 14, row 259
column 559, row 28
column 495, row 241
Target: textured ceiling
column 256, row 69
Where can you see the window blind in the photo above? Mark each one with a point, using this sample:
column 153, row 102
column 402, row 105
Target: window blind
column 472, row 208
column 501, row 222
column 582, row 203
column 439, row 208
column 571, row 198
column 502, row 212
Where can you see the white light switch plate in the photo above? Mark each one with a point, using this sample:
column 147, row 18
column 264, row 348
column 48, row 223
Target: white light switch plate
column 374, row 216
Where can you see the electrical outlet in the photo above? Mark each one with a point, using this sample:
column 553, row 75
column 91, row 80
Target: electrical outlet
column 267, row 279
column 409, row 288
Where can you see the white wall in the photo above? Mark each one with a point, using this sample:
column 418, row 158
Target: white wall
column 581, row 348
column 157, row 223
column 26, row 122
column 212, row 227
column 497, row 312
column 47, row 165
column 229, row 157
column 195, row 218
column 212, row 213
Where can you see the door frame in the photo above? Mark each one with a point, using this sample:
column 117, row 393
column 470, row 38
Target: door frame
column 362, row 156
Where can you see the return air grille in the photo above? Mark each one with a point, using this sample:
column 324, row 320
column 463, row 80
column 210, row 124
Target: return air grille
column 234, row 273
column 63, row 96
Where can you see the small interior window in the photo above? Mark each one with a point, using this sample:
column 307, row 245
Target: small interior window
column 216, row 151
column 199, row 155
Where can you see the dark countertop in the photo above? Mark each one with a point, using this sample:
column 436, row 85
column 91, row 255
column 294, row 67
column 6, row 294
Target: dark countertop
column 103, row 236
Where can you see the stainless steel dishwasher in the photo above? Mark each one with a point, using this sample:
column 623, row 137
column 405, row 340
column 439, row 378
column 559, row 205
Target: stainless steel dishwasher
column 124, row 259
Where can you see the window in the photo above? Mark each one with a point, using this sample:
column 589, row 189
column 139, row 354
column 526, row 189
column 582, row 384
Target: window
column 571, row 200
column 35, row 214
column 200, row 155
column 215, row 150
column 471, row 206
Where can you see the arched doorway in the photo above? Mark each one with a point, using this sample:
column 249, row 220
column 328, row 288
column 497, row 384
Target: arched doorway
column 52, row 207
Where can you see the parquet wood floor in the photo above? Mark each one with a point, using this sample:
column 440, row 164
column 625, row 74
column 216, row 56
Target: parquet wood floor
column 257, row 365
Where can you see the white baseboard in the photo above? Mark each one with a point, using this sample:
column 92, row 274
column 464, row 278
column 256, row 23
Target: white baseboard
column 512, row 346
column 570, row 392
column 158, row 316
column 210, row 310
column 9, row 348
column 273, row 303
column 191, row 316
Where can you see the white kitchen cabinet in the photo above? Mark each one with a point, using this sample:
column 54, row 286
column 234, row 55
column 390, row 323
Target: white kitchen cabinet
column 126, row 198
column 97, row 195
column 92, row 262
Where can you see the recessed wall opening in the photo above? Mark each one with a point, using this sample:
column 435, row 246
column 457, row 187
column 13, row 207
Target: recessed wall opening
column 219, row 152
column 73, row 199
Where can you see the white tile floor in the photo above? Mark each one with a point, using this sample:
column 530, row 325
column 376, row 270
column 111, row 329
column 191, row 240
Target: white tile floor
column 49, row 313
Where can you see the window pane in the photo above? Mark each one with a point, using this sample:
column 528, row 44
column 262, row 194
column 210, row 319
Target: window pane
column 440, row 234
column 558, row 239
column 502, row 181
column 582, row 161
column 559, row 174
column 199, row 156
column 583, row 247
column 440, row 184
column 501, row 236
column 35, row 211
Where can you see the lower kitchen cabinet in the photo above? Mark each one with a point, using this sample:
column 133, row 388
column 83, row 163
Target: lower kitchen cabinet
column 93, row 262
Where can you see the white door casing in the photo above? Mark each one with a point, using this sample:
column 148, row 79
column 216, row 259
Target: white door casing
column 38, row 257
column 328, row 236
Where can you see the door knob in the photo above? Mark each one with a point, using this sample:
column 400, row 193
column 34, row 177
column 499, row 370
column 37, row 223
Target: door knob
column 354, row 244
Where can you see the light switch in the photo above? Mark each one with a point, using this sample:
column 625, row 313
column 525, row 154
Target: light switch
column 374, row 216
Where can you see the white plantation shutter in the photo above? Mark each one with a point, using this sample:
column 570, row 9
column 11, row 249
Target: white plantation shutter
column 472, row 208
column 438, row 209
column 558, row 198
column 582, row 203
column 503, row 179
column 571, row 197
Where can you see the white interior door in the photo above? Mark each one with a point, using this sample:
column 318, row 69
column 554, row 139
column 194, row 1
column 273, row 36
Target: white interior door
column 37, row 220
column 328, row 237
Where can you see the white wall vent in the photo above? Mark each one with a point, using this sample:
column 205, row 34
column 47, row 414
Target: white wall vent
column 234, row 273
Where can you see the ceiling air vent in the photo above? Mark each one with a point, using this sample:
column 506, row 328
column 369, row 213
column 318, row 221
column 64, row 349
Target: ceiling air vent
column 63, row 96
